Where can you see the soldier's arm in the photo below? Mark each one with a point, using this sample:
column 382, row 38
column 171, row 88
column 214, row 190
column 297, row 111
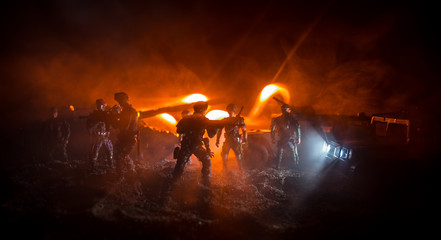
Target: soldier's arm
column 218, row 135
column 244, row 134
column 213, row 127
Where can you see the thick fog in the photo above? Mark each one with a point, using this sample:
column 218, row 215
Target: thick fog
column 336, row 56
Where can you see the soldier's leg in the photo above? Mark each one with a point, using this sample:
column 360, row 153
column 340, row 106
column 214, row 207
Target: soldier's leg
column 183, row 157
column 238, row 152
column 109, row 149
column 118, row 156
column 99, row 145
column 294, row 154
column 93, row 153
column 203, row 156
column 64, row 152
column 59, row 152
column 122, row 150
column 279, row 155
column 130, row 147
column 224, row 154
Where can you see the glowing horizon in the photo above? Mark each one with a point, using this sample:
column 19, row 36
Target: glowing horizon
column 216, row 114
column 196, row 97
column 168, row 118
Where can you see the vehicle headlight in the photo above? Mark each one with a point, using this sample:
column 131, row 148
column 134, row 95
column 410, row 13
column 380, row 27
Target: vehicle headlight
column 326, row 147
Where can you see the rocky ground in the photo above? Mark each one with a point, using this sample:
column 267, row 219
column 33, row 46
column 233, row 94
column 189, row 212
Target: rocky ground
column 388, row 195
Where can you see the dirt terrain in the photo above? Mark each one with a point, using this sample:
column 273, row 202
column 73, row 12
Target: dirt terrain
column 390, row 194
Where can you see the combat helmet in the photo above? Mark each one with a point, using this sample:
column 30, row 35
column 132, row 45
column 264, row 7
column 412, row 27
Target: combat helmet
column 231, row 108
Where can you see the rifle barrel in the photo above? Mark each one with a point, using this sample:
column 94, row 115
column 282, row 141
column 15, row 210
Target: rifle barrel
column 238, row 115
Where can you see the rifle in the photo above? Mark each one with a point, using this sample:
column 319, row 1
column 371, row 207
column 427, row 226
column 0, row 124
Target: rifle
column 238, row 115
column 282, row 102
column 241, row 121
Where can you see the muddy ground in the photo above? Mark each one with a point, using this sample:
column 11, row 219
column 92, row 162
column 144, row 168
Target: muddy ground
column 392, row 194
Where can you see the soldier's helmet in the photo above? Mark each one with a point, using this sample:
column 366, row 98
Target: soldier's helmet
column 121, row 96
column 200, row 107
column 285, row 107
column 231, row 107
column 100, row 102
column 185, row 113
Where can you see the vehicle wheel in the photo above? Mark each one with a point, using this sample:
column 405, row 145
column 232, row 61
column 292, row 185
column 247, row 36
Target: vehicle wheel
column 256, row 157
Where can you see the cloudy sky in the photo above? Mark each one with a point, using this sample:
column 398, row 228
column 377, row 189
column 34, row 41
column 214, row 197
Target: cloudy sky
column 336, row 56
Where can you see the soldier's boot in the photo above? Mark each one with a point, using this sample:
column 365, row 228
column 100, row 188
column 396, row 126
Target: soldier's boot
column 296, row 162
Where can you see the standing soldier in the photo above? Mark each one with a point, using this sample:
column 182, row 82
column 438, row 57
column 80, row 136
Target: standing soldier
column 233, row 136
column 184, row 114
column 125, row 118
column 98, row 125
column 192, row 129
column 287, row 127
column 57, row 134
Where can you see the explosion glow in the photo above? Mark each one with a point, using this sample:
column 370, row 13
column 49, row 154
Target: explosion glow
column 267, row 92
column 216, row 114
column 169, row 118
column 195, row 98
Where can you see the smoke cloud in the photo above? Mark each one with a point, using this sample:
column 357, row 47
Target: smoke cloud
column 360, row 57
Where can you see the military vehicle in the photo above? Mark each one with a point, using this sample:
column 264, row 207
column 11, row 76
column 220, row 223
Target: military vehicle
column 346, row 140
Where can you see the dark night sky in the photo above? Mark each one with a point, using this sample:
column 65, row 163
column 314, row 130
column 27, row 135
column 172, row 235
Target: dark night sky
column 356, row 56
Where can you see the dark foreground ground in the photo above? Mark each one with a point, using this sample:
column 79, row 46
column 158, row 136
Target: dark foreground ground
column 392, row 194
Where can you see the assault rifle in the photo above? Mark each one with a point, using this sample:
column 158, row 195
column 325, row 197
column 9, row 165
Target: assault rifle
column 238, row 115
column 282, row 102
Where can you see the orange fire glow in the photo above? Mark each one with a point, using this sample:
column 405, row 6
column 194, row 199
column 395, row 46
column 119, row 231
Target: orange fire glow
column 269, row 90
column 196, row 97
column 71, row 107
column 216, row 114
column 168, row 118
column 266, row 93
